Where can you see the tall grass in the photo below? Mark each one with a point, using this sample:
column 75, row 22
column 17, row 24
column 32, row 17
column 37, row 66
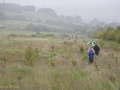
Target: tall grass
column 57, row 64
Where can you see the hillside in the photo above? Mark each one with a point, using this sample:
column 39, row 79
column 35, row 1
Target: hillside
column 27, row 18
column 48, row 62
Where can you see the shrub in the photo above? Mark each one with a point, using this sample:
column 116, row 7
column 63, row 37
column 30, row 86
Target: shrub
column 4, row 59
column 74, row 62
column 52, row 63
column 30, row 55
column 81, row 49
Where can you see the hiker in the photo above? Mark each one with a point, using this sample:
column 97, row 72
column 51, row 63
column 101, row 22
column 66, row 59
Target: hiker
column 91, row 55
column 96, row 49
column 90, row 48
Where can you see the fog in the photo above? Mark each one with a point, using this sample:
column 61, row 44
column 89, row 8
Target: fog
column 103, row 10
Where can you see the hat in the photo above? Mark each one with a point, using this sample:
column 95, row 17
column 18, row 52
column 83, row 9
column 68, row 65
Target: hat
column 90, row 46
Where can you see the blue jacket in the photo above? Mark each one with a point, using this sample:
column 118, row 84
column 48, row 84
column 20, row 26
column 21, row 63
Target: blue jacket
column 90, row 54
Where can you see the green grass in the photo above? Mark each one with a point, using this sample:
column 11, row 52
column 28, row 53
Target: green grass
column 58, row 66
column 5, row 32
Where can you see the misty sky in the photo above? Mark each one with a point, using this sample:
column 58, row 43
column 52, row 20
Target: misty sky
column 103, row 10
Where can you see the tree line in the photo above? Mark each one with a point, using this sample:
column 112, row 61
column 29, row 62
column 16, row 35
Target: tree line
column 16, row 7
column 11, row 7
column 43, row 28
column 110, row 34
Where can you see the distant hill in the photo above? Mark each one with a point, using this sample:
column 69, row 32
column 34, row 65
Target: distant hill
column 16, row 7
column 113, row 24
column 47, row 20
column 96, row 22
column 47, row 11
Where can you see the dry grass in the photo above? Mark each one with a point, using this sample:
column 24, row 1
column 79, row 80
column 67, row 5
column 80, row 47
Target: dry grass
column 63, row 75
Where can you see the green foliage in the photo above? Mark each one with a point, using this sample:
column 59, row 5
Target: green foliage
column 30, row 56
column 67, row 57
column 3, row 59
column 98, row 34
column 52, row 47
column 81, row 49
column 101, row 43
column 52, row 62
column 74, row 62
column 65, row 42
column 110, row 34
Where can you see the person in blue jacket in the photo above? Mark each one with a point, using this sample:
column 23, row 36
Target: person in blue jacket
column 91, row 55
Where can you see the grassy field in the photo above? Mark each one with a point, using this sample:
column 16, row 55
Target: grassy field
column 33, row 15
column 15, row 24
column 18, row 27
column 57, row 63
column 5, row 32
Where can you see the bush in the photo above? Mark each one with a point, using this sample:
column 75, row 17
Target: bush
column 74, row 62
column 30, row 55
column 52, row 63
column 81, row 49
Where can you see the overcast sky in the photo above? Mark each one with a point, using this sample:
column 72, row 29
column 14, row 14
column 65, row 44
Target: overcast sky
column 103, row 10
